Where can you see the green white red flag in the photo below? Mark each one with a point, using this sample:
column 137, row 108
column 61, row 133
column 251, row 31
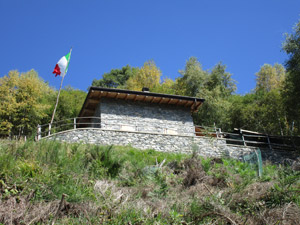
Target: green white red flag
column 61, row 67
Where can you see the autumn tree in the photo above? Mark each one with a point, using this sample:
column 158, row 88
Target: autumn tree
column 270, row 77
column 24, row 105
column 147, row 76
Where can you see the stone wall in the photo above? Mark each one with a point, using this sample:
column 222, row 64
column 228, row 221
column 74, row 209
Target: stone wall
column 210, row 147
column 128, row 115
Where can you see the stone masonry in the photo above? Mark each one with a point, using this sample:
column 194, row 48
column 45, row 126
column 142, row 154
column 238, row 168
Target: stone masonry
column 125, row 115
column 209, row 147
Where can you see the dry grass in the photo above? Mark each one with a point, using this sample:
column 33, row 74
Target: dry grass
column 148, row 188
column 23, row 211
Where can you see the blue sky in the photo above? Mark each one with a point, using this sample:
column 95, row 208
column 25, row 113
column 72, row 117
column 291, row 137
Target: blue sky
column 107, row 34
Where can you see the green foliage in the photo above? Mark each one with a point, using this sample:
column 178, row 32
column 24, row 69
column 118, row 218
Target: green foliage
column 168, row 86
column 283, row 191
column 214, row 111
column 160, row 180
column 245, row 170
column 116, row 78
column 156, row 194
column 194, row 78
column 102, row 162
column 206, row 164
column 70, row 104
column 23, row 103
column 291, row 86
column 54, row 168
column 200, row 208
column 215, row 87
column 262, row 112
column 197, row 82
column 221, row 80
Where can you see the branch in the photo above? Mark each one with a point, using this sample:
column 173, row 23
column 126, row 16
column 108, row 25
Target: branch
column 59, row 208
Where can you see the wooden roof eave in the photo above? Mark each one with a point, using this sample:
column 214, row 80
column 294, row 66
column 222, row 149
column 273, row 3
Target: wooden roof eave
column 95, row 94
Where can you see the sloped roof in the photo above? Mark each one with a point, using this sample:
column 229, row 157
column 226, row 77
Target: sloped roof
column 96, row 93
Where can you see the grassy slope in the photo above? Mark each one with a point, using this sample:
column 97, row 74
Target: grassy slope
column 119, row 185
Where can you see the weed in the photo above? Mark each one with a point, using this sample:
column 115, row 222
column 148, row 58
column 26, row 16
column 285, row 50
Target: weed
column 186, row 190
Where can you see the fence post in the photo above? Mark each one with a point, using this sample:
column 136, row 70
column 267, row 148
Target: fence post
column 269, row 142
column 39, row 131
column 49, row 131
column 259, row 162
column 243, row 138
column 74, row 123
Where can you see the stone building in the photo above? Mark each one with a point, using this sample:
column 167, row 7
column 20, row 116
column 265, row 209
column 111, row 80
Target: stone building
column 144, row 120
column 147, row 120
column 140, row 111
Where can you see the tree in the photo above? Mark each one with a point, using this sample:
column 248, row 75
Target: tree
column 8, row 105
column 215, row 87
column 220, row 82
column 147, row 76
column 116, row 78
column 214, row 111
column 291, row 90
column 262, row 112
column 166, row 87
column 270, row 77
column 263, row 109
column 70, row 103
column 197, row 82
column 193, row 80
column 24, row 105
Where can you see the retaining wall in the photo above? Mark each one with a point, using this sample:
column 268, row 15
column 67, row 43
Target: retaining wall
column 210, row 147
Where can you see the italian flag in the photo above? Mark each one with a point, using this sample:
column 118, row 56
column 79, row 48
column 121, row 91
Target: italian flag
column 61, row 67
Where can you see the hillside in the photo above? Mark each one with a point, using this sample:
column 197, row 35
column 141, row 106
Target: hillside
column 52, row 182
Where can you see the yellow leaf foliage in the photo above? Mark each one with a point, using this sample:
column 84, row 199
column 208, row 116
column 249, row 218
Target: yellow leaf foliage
column 23, row 101
column 166, row 87
column 270, row 77
column 147, row 76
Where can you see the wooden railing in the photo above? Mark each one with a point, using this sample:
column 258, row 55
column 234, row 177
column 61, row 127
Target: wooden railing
column 263, row 140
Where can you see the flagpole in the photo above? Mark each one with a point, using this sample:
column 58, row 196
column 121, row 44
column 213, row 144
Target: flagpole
column 63, row 76
column 57, row 101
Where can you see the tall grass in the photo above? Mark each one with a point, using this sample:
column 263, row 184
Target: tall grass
column 51, row 168
column 48, row 169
